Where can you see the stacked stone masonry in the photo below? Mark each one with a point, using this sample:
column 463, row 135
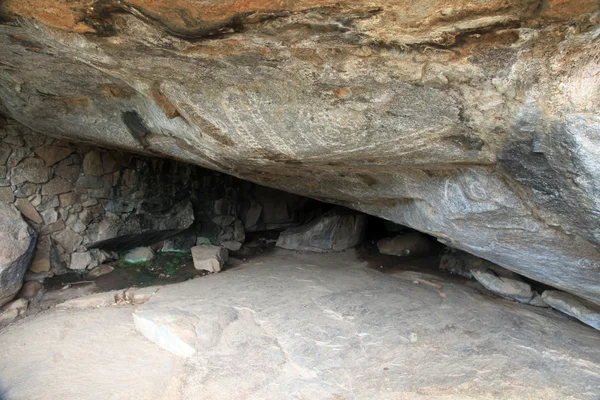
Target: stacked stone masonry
column 76, row 196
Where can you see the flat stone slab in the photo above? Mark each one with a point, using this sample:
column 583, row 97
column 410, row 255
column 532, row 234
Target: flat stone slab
column 307, row 326
column 324, row 326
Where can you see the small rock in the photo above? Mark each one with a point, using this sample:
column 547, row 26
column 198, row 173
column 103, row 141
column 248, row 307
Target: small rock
column 68, row 240
column 35, row 200
column 102, row 256
column 139, row 254
column 74, row 223
column 86, row 216
column 92, row 301
column 89, row 182
column 179, row 243
column 29, row 170
column 68, row 199
column 28, row 210
column 251, row 216
column 209, row 258
column 584, row 311
column 5, row 151
column 49, row 216
column 54, row 227
column 80, row 260
column 92, row 163
column 56, row 186
column 30, row 290
column 100, row 270
column 41, row 260
column 109, row 164
column 6, row 195
column 139, row 295
column 26, row 190
column 48, row 202
column 409, row 244
column 171, row 330
column 17, row 156
column 232, row 245
column 53, row 154
column 90, row 203
column 507, row 285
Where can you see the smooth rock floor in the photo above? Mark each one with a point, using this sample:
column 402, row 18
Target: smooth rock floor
column 304, row 326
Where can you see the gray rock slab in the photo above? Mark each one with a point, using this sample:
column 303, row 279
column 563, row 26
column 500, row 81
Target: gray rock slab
column 327, row 326
column 575, row 307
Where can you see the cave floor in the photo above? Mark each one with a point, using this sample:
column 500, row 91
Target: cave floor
column 287, row 325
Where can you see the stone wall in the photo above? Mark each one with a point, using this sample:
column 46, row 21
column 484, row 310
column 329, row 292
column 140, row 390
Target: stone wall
column 85, row 202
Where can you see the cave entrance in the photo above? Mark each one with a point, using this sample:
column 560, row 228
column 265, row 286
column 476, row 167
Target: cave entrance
column 101, row 219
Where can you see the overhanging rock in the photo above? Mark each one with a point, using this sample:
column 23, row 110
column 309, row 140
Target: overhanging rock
column 475, row 123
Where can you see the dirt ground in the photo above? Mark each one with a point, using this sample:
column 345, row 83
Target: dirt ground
column 287, row 325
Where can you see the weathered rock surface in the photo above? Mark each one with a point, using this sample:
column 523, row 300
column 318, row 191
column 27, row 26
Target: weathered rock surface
column 475, row 122
column 585, row 312
column 17, row 248
column 336, row 230
column 510, row 287
column 327, row 327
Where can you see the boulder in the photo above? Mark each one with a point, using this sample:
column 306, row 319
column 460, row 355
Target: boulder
column 336, row 230
column 17, row 248
column 584, row 311
column 409, row 244
column 13, row 310
column 209, row 258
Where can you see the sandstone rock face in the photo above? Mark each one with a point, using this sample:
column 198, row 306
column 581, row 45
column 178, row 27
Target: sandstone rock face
column 475, row 122
column 17, row 247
